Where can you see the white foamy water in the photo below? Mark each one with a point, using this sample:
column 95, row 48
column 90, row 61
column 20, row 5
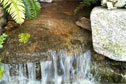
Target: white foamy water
column 62, row 69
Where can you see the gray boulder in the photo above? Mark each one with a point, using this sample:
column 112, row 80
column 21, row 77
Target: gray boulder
column 109, row 32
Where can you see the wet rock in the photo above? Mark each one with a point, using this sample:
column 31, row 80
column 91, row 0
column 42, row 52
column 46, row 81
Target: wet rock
column 49, row 31
column 98, row 57
column 108, row 71
column 84, row 23
column 11, row 25
column 3, row 20
column 109, row 32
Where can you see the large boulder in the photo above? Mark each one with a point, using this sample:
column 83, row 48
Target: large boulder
column 109, row 32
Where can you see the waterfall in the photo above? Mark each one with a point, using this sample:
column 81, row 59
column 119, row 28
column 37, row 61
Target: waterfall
column 45, row 70
column 61, row 69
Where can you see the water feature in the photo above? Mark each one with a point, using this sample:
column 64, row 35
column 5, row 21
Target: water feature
column 61, row 69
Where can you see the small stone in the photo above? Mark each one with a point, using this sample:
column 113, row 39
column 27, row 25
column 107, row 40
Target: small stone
column 113, row 4
column 98, row 57
column 84, row 23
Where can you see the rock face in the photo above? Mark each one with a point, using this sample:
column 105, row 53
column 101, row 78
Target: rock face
column 109, row 32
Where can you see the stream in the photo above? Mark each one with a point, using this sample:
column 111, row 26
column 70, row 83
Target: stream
column 57, row 52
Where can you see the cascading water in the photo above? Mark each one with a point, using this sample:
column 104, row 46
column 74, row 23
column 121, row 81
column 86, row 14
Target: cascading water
column 61, row 69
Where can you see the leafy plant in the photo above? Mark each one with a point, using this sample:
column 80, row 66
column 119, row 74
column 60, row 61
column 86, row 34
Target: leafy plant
column 2, row 38
column 84, row 3
column 15, row 8
column 19, row 9
column 32, row 8
column 24, row 37
column 1, row 70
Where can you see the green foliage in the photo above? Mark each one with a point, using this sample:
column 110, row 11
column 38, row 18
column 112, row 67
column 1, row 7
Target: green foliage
column 1, row 71
column 32, row 8
column 24, row 37
column 2, row 38
column 15, row 8
column 19, row 9
column 84, row 3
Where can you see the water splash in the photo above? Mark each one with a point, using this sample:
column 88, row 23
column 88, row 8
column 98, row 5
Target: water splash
column 61, row 69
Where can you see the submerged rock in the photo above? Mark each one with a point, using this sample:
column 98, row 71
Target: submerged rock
column 49, row 31
column 109, row 32
column 50, row 34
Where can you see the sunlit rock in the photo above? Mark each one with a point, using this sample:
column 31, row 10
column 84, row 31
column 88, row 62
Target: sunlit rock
column 109, row 32
column 113, row 4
